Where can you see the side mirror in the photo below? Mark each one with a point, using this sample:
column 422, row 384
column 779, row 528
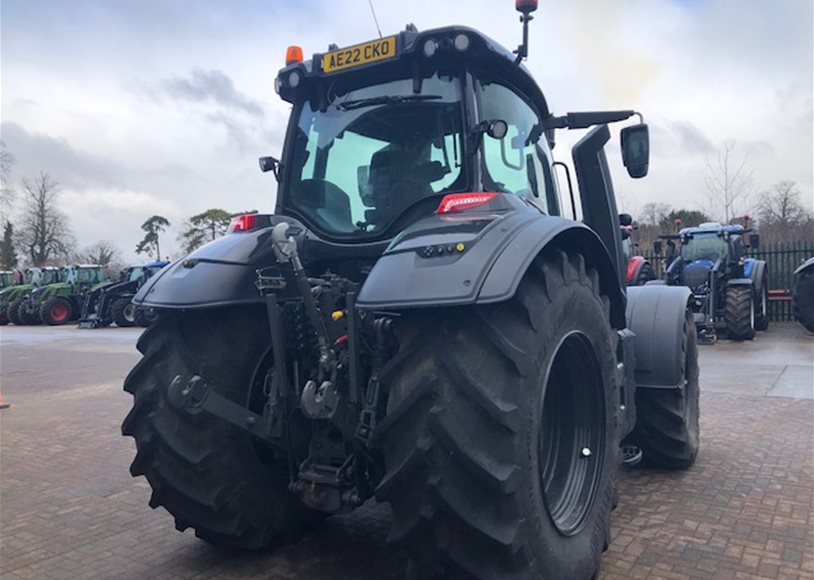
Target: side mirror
column 657, row 249
column 270, row 164
column 497, row 129
column 636, row 150
column 754, row 241
column 625, row 219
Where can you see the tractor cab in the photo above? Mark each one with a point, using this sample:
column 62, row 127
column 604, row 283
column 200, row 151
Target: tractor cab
column 84, row 275
column 143, row 272
column 391, row 131
column 42, row 276
column 7, row 279
column 710, row 247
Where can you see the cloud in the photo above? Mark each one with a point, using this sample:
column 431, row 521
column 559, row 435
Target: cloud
column 36, row 152
column 214, row 85
column 679, row 138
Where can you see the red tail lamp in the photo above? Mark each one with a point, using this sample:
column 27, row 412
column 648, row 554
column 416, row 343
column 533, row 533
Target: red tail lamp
column 243, row 223
column 455, row 202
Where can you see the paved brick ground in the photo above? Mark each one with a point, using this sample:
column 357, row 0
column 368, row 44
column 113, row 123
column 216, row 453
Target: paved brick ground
column 69, row 509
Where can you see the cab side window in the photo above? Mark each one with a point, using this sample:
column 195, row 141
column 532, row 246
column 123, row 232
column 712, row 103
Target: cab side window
column 520, row 163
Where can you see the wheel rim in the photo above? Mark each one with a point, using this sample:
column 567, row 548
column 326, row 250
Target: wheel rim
column 571, row 447
column 59, row 312
column 129, row 313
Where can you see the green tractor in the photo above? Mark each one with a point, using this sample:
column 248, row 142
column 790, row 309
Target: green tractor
column 11, row 297
column 61, row 302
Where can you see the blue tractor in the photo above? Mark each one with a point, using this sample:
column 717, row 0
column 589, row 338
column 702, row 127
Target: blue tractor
column 730, row 291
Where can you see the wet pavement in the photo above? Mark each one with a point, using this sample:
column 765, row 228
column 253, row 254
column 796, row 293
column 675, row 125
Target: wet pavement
column 69, row 508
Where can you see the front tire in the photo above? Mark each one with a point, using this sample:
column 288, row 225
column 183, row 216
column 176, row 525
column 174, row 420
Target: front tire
column 501, row 443
column 13, row 312
column 802, row 299
column 205, row 472
column 28, row 313
column 667, row 420
column 123, row 313
column 739, row 315
column 56, row 311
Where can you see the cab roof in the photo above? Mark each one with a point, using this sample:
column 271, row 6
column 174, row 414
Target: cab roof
column 713, row 228
column 410, row 57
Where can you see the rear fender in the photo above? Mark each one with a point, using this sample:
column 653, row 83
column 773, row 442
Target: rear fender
column 221, row 273
column 497, row 250
column 807, row 265
column 656, row 315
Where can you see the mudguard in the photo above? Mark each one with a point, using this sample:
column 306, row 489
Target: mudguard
column 478, row 259
column 222, row 272
column 805, row 265
column 656, row 315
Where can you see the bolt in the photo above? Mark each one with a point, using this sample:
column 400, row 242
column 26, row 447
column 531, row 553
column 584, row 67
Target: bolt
column 250, row 421
column 586, row 452
column 622, row 407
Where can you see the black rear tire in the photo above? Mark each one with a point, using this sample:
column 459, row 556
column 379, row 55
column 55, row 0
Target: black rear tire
column 208, row 474
column 56, row 311
column 667, row 420
column 802, row 299
column 739, row 314
column 123, row 312
column 501, row 442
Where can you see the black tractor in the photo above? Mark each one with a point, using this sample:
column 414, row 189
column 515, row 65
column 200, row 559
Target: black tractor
column 417, row 323
column 802, row 294
column 113, row 302
column 730, row 291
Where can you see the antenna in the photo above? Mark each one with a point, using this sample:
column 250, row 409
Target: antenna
column 376, row 20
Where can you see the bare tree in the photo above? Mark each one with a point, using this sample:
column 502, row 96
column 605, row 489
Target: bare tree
column 653, row 213
column 7, row 193
column 44, row 233
column 103, row 253
column 730, row 183
column 782, row 216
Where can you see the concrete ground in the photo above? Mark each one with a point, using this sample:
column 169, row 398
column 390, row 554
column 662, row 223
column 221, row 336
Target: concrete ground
column 69, row 508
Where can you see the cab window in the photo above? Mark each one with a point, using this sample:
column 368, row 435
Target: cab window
column 520, row 163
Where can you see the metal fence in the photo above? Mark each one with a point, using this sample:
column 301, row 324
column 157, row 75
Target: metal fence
column 782, row 259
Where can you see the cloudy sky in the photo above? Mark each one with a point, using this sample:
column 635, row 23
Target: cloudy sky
column 142, row 107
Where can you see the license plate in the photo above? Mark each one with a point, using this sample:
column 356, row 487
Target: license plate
column 353, row 56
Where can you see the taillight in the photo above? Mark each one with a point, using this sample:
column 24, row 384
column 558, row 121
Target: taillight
column 463, row 201
column 243, row 223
